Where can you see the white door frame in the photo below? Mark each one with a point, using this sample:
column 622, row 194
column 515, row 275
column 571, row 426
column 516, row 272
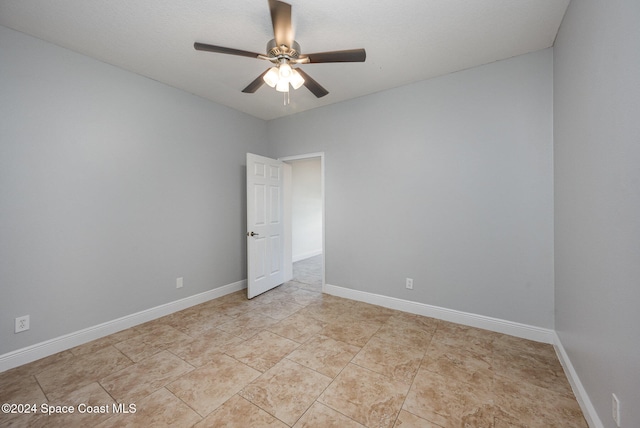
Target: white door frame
column 288, row 264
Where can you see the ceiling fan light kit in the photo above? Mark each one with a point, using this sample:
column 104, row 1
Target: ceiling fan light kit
column 281, row 76
column 283, row 51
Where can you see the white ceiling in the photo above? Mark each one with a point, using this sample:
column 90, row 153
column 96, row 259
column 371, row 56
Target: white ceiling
column 406, row 40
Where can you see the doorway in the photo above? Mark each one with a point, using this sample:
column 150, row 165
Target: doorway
column 305, row 200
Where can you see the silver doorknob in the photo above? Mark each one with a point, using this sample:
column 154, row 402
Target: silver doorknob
column 252, row 234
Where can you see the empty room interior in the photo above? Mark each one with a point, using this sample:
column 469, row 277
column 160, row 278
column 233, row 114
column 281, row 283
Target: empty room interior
column 460, row 213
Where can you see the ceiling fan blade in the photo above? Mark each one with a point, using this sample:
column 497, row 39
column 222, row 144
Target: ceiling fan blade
column 351, row 55
column 256, row 84
column 223, row 50
column 312, row 85
column 281, row 20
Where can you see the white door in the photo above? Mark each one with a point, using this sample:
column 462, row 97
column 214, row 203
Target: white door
column 265, row 225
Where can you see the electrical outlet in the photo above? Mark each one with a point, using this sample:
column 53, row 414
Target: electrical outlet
column 615, row 409
column 409, row 283
column 22, row 324
column 179, row 282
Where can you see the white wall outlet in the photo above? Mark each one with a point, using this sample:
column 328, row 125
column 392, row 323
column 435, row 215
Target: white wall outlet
column 179, row 282
column 22, row 324
column 615, row 409
column 409, row 283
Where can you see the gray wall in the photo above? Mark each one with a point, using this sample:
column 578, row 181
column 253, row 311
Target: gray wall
column 111, row 187
column 597, row 202
column 447, row 181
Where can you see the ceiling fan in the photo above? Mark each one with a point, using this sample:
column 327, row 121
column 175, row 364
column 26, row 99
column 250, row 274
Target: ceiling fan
column 283, row 51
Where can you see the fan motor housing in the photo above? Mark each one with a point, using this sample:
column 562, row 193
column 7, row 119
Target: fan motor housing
column 283, row 51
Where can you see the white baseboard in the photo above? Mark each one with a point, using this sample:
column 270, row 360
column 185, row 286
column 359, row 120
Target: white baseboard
column 584, row 401
column 298, row 257
column 68, row 341
column 524, row 331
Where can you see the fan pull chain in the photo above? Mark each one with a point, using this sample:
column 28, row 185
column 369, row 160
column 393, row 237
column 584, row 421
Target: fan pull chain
column 286, row 99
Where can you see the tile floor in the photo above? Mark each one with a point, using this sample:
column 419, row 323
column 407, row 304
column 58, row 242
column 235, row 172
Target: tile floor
column 294, row 357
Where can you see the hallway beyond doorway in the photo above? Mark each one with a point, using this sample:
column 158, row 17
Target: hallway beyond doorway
column 308, row 271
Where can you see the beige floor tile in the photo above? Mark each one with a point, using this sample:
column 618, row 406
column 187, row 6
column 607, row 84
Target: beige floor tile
column 160, row 409
column 416, row 321
column 286, row 390
column 518, row 344
column 304, row 297
column 103, row 342
column 474, row 339
column 91, row 395
column 197, row 321
column 324, row 355
column 393, row 360
column 59, row 360
column 409, row 420
column 506, row 423
column 290, row 285
column 206, row 347
column 17, row 420
column 155, row 340
column 207, row 387
column 540, row 369
column 279, row 310
column 531, row 405
column 315, row 287
column 151, row 325
column 448, row 402
column 367, row 397
column 276, row 295
column 309, row 270
column 240, row 413
column 263, row 350
column 247, row 325
column 402, row 331
column 236, row 296
column 297, row 327
column 123, row 335
column 81, row 371
column 91, row 405
column 233, row 309
column 237, row 304
column 364, row 312
column 329, row 309
column 459, row 364
column 94, row 345
column 321, row 416
column 145, row 377
column 19, row 389
column 357, row 334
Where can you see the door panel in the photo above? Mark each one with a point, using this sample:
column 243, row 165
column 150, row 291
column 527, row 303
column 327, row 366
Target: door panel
column 265, row 226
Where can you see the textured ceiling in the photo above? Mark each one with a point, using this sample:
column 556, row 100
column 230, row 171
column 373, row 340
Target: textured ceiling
column 406, row 40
